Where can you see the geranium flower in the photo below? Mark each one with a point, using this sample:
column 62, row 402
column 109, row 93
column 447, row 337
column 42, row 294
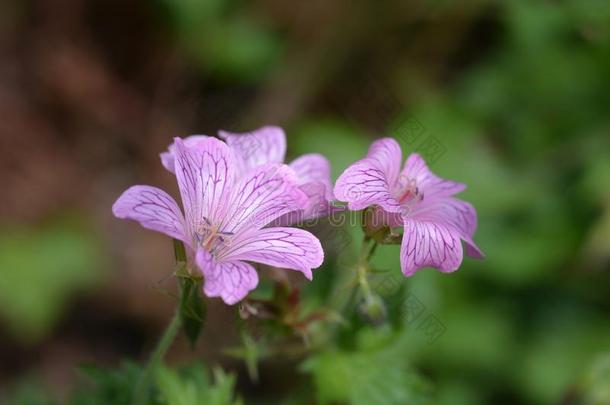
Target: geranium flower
column 434, row 221
column 268, row 145
column 223, row 226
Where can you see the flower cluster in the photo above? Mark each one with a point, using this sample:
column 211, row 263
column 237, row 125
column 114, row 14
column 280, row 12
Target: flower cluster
column 434, row 221
column 239, row 199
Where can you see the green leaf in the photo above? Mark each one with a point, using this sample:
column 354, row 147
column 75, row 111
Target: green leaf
column 250, row 352
column 375, row 374
column 192, row 387
column 107, row 386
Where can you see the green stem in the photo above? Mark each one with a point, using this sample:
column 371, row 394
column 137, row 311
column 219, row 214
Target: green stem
column 367, row 249
column 363, row 266
column 140, row 396
column 142, row 387
column 372, row 252
column 179, row 252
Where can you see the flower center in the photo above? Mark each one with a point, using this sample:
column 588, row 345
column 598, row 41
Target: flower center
column 209, row 236
column 409, row 192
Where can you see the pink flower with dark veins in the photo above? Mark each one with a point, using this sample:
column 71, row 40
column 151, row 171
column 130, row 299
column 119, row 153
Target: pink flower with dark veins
column 434, row 221
column 225, row 217
column 268, row 145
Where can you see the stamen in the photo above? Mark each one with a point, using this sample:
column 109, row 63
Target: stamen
column 410, row 192
column 208, row 235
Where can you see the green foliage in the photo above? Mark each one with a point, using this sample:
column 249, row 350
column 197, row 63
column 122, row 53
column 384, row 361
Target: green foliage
column 229, row 41
column 26, row 392
column 193, row 387
column 41, row 269
column 596, row 385
column 107, row 386
column 190, row 385
column 377, row 372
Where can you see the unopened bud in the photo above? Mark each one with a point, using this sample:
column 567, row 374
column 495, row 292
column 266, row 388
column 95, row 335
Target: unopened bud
column 377, row 225
column 373, row 310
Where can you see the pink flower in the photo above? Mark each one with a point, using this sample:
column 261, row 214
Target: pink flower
column 268, row 145
column 225, row 214
column 434, row 221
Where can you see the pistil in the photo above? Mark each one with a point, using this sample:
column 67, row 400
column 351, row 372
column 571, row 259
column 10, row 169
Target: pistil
column 410, row 192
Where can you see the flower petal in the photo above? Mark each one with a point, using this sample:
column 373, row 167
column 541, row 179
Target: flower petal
column 313, row 175
column 430, row 244
column 455, row 212
column 428, row 183
column 205, row 175
column 313, row 168
column 289, row 248
column 472, row 249
column 252, row 149
column 364, row 184
column 265, row 194
column 168, row 157
column 387, row 155
column 230, row 280
column 153, row 208
column 371, row 180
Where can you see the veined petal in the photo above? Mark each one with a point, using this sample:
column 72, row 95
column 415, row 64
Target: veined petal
column 153, row 208
column 252, row 149
column 205, row 176
column 313, row 168
column 387, row 155
column 302, row 217
column 430, row 244
column 313, row 176
column 229, row 280
column 268, row 192
column 363, row 184
column 455, row 212
column 168, row 157
column 427, row 182
column 289, row 248
column 317, row 206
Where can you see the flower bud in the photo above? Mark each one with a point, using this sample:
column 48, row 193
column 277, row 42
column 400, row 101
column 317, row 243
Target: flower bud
column 373, row 310
column 377, row 224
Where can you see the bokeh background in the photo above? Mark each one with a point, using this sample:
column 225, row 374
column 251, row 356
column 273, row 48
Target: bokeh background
column 512, row 98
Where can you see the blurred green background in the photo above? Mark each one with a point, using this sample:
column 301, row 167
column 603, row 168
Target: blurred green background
column 512, row 98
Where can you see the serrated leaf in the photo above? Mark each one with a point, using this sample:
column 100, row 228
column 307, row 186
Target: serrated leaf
column 192, row 386
column 379, row 375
